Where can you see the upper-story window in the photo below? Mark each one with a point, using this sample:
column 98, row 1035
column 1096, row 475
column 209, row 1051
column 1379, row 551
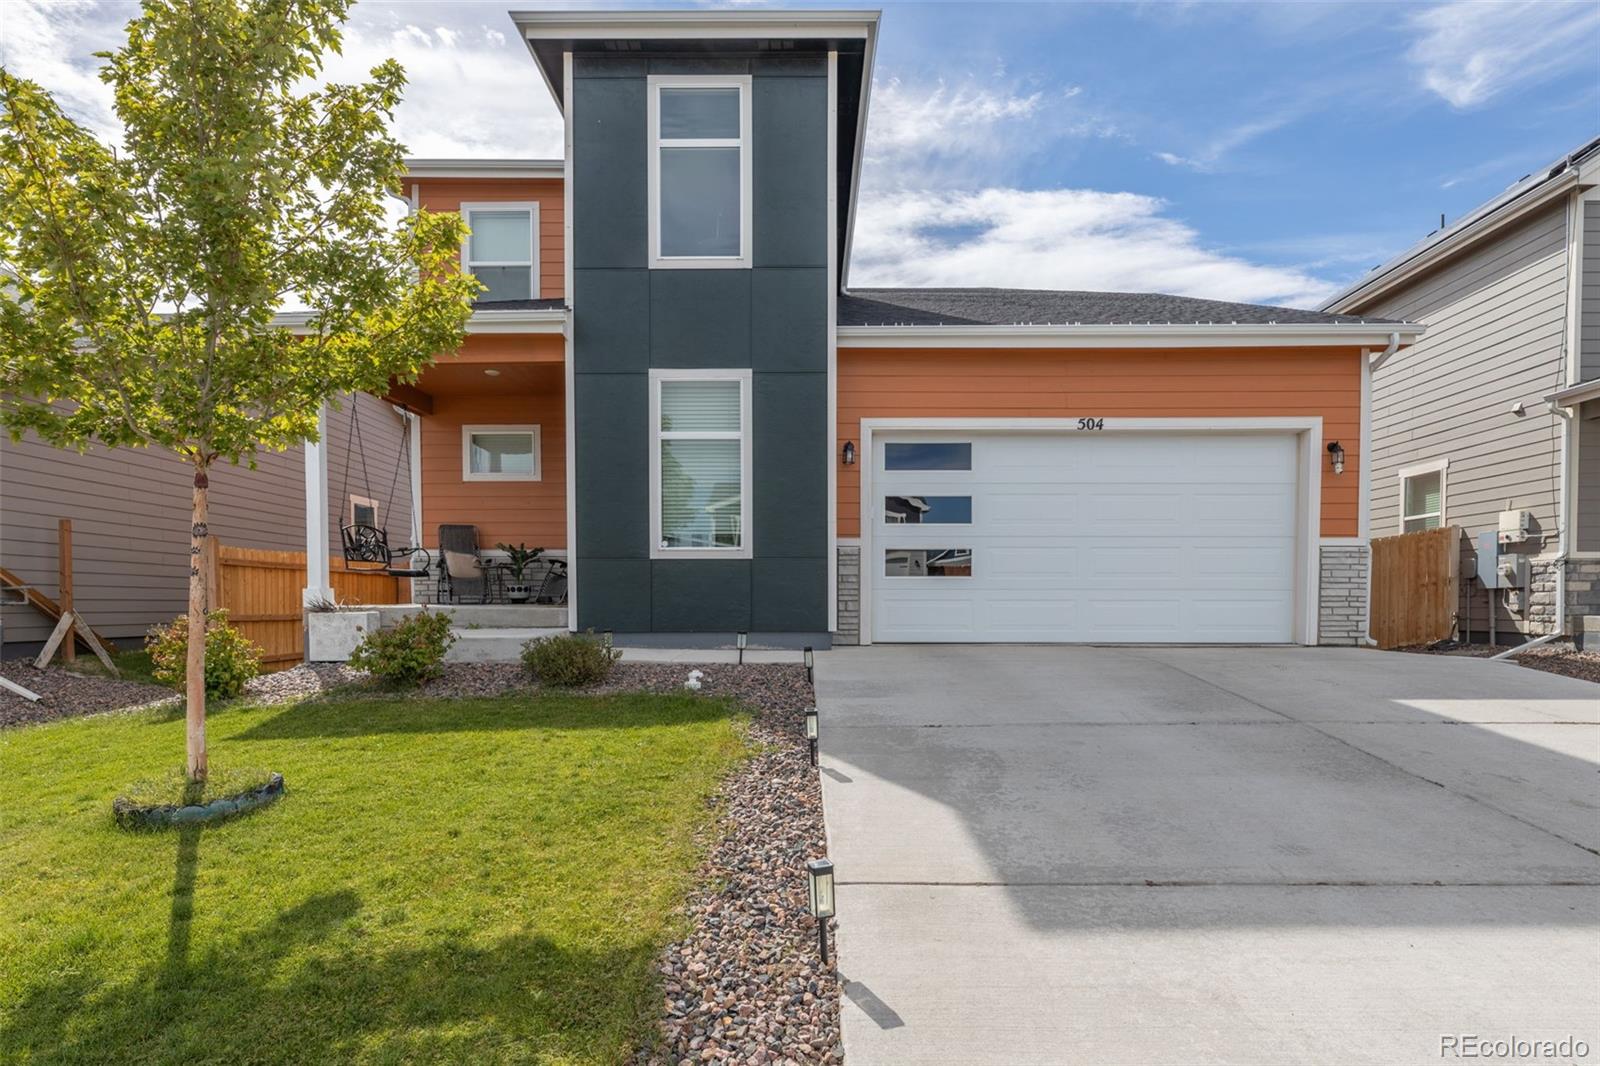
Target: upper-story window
column 503, row 249
column 699, row 171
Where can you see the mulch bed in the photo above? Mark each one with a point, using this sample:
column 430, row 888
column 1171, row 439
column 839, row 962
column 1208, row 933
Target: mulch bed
column 1554, row 658
column 67, row 695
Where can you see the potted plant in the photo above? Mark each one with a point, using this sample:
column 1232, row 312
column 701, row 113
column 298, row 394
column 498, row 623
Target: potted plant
column 518, row 559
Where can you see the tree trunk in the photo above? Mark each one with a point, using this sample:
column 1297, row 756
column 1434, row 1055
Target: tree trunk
column 195, row 664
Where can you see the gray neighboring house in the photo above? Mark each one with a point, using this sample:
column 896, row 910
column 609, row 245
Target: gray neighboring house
column 1497, row 408
column 130, row 518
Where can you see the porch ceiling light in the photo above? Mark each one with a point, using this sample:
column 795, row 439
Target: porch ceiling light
column 820, row 873
column 1336, row 456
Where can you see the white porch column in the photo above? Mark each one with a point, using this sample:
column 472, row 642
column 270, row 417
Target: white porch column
column 318, row 585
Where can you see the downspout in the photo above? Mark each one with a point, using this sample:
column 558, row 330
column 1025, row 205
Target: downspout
column 1366, row 472
column 1560, row 560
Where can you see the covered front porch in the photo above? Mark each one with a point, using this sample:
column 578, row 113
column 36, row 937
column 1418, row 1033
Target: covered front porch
column 485, row 455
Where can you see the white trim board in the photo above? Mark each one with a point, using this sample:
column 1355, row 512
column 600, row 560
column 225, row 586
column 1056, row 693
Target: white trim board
column 569, row 372
column 433, row 169
column 1158, row 335
column 1308, row 430
column 830, row 434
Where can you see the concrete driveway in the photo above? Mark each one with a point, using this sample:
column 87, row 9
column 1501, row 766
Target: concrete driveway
column 1194, row 855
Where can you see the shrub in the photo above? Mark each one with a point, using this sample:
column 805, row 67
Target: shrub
column 231, row 660
column 570, row 659
column 408, row 654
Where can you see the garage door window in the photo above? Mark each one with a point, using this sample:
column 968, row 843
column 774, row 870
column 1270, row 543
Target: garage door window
column 927, row 456
column 927, row 562
column 928, row 510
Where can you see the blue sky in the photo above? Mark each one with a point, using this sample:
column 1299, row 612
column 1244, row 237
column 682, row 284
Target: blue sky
column 1268, row 153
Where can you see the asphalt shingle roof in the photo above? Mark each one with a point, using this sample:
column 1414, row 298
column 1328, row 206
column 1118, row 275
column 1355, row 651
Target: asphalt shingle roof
column 1039, row 307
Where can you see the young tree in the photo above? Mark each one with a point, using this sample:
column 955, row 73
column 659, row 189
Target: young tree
column 138, row 286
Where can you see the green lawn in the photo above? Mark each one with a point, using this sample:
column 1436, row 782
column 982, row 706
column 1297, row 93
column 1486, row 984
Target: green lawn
column 450, row 881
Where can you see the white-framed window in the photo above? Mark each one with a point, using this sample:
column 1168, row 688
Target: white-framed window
column 500, row 453
column 363, row 511
column 502, row 251
column 699, row 170
column 1422, row 488
column 700, row 464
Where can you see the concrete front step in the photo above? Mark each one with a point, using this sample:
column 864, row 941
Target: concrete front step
column 490, row 645
column 483, row 615
column 1586, row 633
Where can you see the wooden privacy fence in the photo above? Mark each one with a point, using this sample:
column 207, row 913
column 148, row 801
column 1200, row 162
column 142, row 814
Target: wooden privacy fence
column 1414, row 587
column 260, row 590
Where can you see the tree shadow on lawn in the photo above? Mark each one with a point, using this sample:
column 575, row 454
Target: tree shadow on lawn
column 400, row 713
column 251, row 999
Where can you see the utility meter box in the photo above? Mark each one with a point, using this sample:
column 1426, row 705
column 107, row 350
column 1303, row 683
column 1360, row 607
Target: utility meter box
column 1514, row 571
column 1515, row 526
column 1488, row 557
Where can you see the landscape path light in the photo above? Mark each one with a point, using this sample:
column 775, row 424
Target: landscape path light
column 741, row 638
column 812, row 732
column 811, row 663
column 820, row 872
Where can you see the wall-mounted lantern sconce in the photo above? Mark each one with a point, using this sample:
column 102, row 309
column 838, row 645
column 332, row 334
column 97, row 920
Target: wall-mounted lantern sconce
column 812, row 732
column 849, row 453
column 1336, row 456
column 820, row 871
column 811, row 662
column 742, row 639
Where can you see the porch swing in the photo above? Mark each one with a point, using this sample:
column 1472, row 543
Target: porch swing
column 366, row 546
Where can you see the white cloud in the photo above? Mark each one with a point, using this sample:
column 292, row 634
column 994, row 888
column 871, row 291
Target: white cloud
column 1056, row 239
column 472, row 89
column 53, row 44
column 1214, row 152
column 1468, row 51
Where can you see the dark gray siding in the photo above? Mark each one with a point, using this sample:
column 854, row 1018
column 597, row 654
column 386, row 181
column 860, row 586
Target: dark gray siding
column 130, row 518
column 1589, row 311
column 771, row 318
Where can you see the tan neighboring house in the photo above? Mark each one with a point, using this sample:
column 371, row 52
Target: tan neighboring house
column 130, row 517
column 1492, row 419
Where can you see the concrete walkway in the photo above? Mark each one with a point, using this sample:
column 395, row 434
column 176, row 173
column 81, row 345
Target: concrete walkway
column 1187, row 855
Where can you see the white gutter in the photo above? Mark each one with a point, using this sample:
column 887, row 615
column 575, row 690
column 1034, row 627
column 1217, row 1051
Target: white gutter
column 1133, row 335
column 522, row 320
column 484, row 168
column 1383, row 356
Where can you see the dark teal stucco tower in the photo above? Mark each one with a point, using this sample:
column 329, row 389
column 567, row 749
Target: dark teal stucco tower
column 711, row 157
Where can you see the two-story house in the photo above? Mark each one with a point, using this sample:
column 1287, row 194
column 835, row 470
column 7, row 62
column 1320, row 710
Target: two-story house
column 1495, row 414
column 669, row 381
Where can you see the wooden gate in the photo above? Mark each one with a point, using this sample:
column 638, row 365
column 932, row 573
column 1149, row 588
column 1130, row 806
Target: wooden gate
column 260, row 590
column 1414, row 587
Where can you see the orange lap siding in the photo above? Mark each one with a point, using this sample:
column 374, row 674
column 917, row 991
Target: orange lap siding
column 448, row 194
column 1019, row 383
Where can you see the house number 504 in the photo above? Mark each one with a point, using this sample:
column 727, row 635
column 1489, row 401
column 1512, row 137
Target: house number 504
column 1091, row 423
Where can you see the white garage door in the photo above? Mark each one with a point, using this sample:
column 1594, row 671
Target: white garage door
column 1115, row 537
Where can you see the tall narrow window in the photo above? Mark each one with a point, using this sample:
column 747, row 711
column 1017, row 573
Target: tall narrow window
column 502, row 251
column 700, row 463
column 699, row 171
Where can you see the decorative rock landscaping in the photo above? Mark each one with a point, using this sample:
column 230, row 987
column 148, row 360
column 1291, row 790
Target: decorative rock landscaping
column 746, row 984
column 135, row 816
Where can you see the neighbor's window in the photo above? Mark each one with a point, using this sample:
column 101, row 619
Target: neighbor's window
column 700, row 463
column 927, row 510
column 500, row 453
column 699, row 171
column 1421, row 499
column 927, row 562
column 363, row 511
column 502, row 249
